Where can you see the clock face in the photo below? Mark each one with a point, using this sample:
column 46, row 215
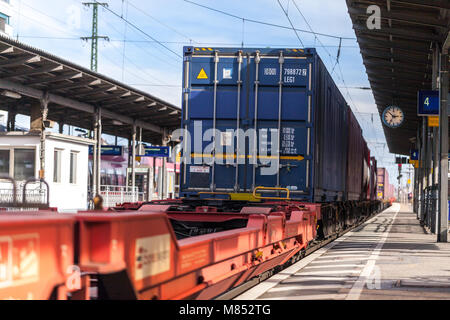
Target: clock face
column 393, row 117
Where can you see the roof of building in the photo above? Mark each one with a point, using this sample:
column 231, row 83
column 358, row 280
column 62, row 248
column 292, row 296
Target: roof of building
column 398, row 56
column 74, row 93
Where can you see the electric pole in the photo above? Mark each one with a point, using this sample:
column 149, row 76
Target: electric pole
column 399, row 181
column 94, row 38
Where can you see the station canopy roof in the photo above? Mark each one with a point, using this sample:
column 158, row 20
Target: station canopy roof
column 28, row 75
column 398, row 57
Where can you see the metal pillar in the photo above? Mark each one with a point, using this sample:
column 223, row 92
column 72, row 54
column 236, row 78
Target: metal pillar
column 442, row 232
column 98, row 151
column 416, row 188
column 154, row 184
column 44, row 110
column 11, row 121
column 133, row 158
column 94, row 156
column 417, row 175
column 435, row 170
column 422, row 174
column 163, row 194
column 427, row 173
column 429, row 156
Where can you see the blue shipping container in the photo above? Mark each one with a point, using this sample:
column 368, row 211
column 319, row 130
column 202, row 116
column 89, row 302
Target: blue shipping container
column 248, row 111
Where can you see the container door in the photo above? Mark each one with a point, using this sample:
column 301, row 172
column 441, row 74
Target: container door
column 217, row 107
column 283, row 104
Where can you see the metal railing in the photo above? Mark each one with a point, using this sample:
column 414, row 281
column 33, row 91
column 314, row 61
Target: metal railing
column 29, row 195
column 430, row 207
column 114, row 195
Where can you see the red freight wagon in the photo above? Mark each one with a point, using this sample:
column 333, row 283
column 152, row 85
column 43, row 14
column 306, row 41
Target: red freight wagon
column 36, row 257
column 156, row 253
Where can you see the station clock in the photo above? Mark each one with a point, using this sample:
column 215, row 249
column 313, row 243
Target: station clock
column 393, row 117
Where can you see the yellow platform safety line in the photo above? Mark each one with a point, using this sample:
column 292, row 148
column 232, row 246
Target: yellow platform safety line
column 234, row 156
column 288, row 192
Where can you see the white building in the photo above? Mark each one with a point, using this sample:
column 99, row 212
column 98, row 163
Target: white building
column 66, row 165
column 5, row 18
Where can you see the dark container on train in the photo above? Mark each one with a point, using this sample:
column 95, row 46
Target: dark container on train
column 227, row 91
column 355, row 159
column 373, row 179
column 366, row 172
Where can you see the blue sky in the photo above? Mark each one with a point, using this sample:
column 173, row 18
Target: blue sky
column 56, row 26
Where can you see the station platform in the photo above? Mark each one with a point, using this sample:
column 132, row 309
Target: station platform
column 389, row 257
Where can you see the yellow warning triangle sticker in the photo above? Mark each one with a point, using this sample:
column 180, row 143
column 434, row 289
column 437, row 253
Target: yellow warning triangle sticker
column 202, row 75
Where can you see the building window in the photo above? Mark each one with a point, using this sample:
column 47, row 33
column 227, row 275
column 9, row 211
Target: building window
column 4, row 20
column 24, row 164
column 57, row 166
column 4, row 162
column 73, row 167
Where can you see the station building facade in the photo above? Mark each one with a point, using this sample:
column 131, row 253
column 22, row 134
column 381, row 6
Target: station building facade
column 65, row 163
column 5, row 18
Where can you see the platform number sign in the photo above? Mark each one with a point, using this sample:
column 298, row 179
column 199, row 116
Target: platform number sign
column 428, row 103
column 414, row 154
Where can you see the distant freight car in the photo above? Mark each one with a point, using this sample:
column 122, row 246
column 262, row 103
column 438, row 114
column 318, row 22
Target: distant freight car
column 233, row 96
column 358, row 161
column 384, row 191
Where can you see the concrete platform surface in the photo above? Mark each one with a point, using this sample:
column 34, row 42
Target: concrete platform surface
column 389, row 257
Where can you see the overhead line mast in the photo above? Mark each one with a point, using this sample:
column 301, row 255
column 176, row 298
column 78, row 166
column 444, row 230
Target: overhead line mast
column 94, row 38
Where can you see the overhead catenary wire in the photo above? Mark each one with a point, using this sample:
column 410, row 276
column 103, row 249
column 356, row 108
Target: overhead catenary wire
column 160, row 22
column 124, row 37
column 340, row 76
column 78, row 38
column 290, row 22
column 139, row 29
column 187, row 42
column 265, row 23
column 170, row 42
column 159, row 57
column 40, row 22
